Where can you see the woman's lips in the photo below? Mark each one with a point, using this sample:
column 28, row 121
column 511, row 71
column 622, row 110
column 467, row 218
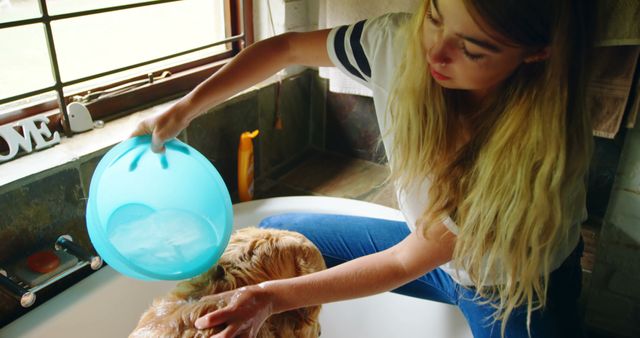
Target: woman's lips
column 439, row 76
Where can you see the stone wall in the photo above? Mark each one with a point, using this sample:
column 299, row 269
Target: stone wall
column 614, row 295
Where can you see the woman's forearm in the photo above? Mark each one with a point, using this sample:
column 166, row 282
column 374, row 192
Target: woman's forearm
column 368, row 275
column 257, row 63
column 361, row 277
column 252, row 65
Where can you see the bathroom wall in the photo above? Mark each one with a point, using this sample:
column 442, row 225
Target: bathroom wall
column 614, row 296
column 38, row 209
column 352, row 127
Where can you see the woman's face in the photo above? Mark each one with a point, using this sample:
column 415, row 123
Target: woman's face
column 460, row 54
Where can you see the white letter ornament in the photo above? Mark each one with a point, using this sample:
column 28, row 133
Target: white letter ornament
column 33, row 128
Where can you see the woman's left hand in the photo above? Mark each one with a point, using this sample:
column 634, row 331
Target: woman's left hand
column 244, row 312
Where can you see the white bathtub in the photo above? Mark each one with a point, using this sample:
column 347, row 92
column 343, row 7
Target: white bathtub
column 107, row 304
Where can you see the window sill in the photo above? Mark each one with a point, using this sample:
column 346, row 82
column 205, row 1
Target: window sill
column 70, row 150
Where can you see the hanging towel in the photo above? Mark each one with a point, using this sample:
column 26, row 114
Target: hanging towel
column 613, row 87
column 619, row 22
column 609, row 92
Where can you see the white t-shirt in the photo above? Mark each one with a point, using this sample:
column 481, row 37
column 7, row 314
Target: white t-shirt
column 369, row 52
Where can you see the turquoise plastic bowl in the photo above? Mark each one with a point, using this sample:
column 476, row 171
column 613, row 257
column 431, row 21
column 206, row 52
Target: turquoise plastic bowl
column 158, row 216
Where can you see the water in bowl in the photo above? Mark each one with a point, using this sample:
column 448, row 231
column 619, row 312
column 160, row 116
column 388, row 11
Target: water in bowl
column 165, row 241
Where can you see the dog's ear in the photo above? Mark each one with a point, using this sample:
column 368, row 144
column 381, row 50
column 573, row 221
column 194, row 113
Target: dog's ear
column 219, row 272
column 306, row 321
column 308, row 259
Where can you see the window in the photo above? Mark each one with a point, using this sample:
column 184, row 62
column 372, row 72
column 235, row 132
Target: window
column 114, row 56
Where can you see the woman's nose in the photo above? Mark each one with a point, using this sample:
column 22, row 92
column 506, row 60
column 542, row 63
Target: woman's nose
column 439, row 51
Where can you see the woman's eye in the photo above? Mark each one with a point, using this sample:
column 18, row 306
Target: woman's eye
column 471, row 56
column 431, row 19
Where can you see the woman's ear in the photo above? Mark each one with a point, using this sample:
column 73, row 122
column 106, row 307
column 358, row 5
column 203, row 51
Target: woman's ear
column 537, row 56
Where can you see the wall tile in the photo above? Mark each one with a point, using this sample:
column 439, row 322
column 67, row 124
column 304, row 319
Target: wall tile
column 267, row 118
column 629, row 174
column 87, row 167
column 613, row 298
column 613, row 313
column 284, row 123
column 626, row 283
column 34, row 216
column 216, row 134
column 602, row 172
column 318, row 108
column 352, row 127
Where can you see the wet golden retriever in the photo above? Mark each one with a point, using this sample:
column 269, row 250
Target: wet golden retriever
column 252, row 256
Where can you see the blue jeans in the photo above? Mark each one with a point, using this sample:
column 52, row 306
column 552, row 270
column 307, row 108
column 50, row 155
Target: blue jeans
column 342, row 238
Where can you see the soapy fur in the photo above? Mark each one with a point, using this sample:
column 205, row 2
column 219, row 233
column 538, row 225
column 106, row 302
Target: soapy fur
column 253, row 256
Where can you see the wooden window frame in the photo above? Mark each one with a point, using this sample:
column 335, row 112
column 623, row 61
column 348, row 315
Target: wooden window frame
column 183, row 78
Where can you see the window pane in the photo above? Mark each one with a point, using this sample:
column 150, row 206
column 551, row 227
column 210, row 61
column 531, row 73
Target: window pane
column 12, row 10
column 103, row 42
column 152, row 68
column 70, row 6
column 25, row 103
column 24, row 59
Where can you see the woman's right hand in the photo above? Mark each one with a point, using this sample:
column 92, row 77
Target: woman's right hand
column 243, row 311
column 165, row 125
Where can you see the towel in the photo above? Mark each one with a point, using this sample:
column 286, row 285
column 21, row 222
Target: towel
column 613, row 86
column 609, row 91
column 619, row 22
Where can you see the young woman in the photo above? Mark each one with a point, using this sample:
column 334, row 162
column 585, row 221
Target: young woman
column 480, row 107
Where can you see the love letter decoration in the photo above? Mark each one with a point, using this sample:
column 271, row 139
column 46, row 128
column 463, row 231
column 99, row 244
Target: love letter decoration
column 34, row 130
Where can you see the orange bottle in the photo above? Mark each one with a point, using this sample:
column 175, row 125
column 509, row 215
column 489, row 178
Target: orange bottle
column 245, row 166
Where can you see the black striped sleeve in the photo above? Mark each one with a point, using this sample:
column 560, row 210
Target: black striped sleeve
column 358, row 51
column 347, row 42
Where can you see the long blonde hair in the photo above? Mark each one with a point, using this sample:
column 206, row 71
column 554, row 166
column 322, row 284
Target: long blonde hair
column 514, row 188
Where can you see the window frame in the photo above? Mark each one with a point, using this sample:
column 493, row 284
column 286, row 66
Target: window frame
column 183, row 78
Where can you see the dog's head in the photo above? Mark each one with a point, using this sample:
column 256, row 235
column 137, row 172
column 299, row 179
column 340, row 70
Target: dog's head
column 252, row 256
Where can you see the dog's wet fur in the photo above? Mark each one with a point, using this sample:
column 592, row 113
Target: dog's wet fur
column 252, row 256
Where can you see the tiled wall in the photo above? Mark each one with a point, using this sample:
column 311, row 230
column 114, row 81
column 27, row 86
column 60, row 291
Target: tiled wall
column 38, row 209
column 614, row 296
column 352, row 127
